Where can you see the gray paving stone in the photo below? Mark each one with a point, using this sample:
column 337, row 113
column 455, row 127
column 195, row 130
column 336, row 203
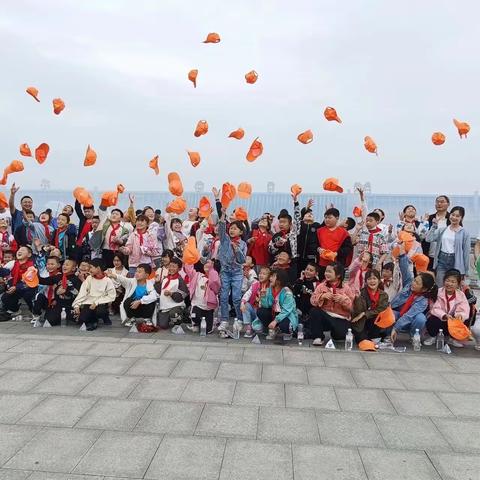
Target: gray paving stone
column 184, row 352
column 308, row 396
column 223, row 354
column 465, row 364
column 187, row 458
column 110, row 386
column 303, row 357
column 456, row 467
column 344, row 359
column 68, row 363
column 263, row 355
column 463, row 382
column 426, row 381
column 153, row 367
column 348, row 429
column 387, row 361
column 462, row 404
column 21, row 380
column 70, row 348
column 397, row 465
column 428, row 363
column 170, row 417
column 330, row 376
column 284, row 374
column 195, row 369
column 57, row 411
column 418, row 433
column 15, row 406
column 417, row 403
column 287, row 425
column 145, row 350
column 376, row 379
column 54, row 450
column 27, row 361
column 312, row 462
column 9, row 342
column 105, row 349
column 228, row 421
column 13, row 438
column 63, row 383
column 4, row 356
column 259, row 394
column 363, row 400
column 211, row 391
column 137, row 451
column 14, row 474
column 110, row 365
column 64, row 476
column 112, row 414
column 247, row 372
column 463, row 435
column 32, row 346
column 160, row 388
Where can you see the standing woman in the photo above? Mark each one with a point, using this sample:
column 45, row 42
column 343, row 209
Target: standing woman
column 441, row 216
column 452, row 245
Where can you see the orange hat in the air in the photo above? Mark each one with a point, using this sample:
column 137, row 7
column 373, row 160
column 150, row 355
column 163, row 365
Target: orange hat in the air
column 191, row 255
column 33, row 92
column 256, row 149
column 153, row 164
column 58, row 105
column 25, row 150
column 204, row 208
column 457, row 329
column 3, row 200
column 370, row 145
column 83, row 197
column 228, row 194
column 192, row 76
column 244, row 190
column 201, row 129
column 421, row 262
column 331, row 114
column 212, row 38
column 41, row 153
column 240, row 214
column 194, row 158
column 14, row 167
column 438, row 138
column 385, row 319
column 296, row 189
column 463, row 127
column 305, row 137
column 251, row 76
column 90, row 157
column 238, row 134
column 331, row 185
column 177, row 206
column 357, row 212
column 175, row 184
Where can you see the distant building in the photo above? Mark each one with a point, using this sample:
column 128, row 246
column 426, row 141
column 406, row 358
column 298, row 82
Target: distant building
column 271, row 187
column 199, row 187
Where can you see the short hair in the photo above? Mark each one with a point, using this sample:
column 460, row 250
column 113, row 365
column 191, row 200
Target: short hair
column 314, row 265
column 29, row 212
column 88, row 207
column 388, row 266
column 146, row 268
column 407, row 207
column 98, row 263
column 142, row 218
column 332, row 211
column 177, row 262
column 239, row 225
column 168, row 253
column 375, row 216
column 453, row 272
column 445, row 197
column 158, row 211
column 284, row 214
column 66, row 215
column 350, row 223
column 54, row 258
column 117, row 210
column 95, row 217
column 25, row 197
column 282, row 277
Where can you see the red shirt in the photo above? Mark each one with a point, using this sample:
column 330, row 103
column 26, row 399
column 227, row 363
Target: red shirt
column 258, row 250
column 330, row 240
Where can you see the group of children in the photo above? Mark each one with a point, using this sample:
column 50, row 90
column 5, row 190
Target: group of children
column 272, row 274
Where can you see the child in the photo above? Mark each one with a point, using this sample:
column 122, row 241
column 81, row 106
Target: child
column 45, row 298
column 86, row 226
column 7, row 240
column 203, row 289
column 40, row 232
column 162, row 271
column 174, row 238
column 307, row 238
column 249, row 273
column 23, row 233
column 8, row 256
column 451, row 302
column 370, row 238
column 119, row 270
column 358, row 268
column 278, row 311
column 304, row 287
column 63, row 237
column 259, row 241
column 251, row 300
column 96, row 292
column 113, row 234
column 140, row 296
column 83, row 270
column 391, row 279
column 284, row 262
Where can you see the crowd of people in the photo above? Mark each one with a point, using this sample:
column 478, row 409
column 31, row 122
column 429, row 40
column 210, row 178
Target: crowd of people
column 158, row 270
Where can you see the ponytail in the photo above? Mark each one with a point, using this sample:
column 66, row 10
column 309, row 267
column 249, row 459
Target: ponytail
column 430, row 289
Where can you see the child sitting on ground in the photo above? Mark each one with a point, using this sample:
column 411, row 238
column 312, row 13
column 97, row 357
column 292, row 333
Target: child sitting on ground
column 44, row 301
column 119, row 270
column 304, row 287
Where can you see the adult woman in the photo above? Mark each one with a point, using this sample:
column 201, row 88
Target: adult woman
column 441, row 215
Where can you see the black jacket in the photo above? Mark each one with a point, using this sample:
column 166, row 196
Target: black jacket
column 308, row 241
column 302, row 291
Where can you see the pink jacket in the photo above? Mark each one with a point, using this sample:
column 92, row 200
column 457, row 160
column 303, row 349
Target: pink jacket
column 213, row 284
column 342, row 307
column 141, row 253
column 459, row 306
column 353, row 276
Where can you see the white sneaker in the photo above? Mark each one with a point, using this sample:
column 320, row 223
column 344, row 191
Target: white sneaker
column 429, row 341
column 34, row 319
column 128, row 323
column 477, row 347
column 317, row 342
column 455, row 343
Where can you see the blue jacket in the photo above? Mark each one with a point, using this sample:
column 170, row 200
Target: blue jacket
column 231, row 260
column 420, row 304
column 288, row 307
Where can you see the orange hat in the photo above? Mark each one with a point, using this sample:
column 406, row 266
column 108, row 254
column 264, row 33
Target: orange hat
column 201, row 129
column 25, row 150
column 14, row 167
column 240, row 214
column 194, row 158
column 58, row 105
column 192, row 76
column 457, row 329
column 251, row 76
column 41, row 153
column 367, row 346
column 463, row 127
column 305, row 137
column 191, row 255
column 3, row 200
column 90, row 157
column 33, row 92
column 238, row 134
column 421, row 262
column 244, row 190
column 177, row 206
column 175, row 184
column 212, row 38
column 228, row 194
column 153, row 164
column 256, row 149
column 328, row 255
column 357, row 212
column 331, row 114
column 296, row 189
column 204, row 208
column 109, row 199
column 385, row 319
column 30, row 277
column 331, row 185
column 83, row 197
column 438, row 138
column 370, row 145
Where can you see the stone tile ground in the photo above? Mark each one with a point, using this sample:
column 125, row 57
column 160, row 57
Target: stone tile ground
column 114, row 405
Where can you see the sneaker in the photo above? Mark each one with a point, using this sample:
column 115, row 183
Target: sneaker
column 455, row 343
column 223, row 326
column 477, row 347
column 34, row 319
column 271, row 335
column 128, row 323
column 248, row 331
column 429, row 341
column 193, row 328
column 317, row 342
column 107, row 321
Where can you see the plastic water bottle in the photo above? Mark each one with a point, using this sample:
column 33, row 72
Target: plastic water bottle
column 417, row 344
column 236, row 329
column 203, row 327
column 63, row 318
column 440, row 340
column 349, row 340
column 300, row 335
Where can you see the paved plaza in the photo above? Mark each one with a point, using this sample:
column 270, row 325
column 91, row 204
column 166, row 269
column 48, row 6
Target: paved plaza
column 110, row 405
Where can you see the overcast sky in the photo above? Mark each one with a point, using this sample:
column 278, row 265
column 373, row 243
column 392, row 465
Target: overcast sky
column 397, row 71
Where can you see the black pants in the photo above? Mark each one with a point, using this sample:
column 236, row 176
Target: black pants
column 90, row 317
column 11, row 301
column 434, row 324
column 321, row 321
column 143, row 311
column 365, row 329
column 115, row 305
column 199, row 314
column 266, row 316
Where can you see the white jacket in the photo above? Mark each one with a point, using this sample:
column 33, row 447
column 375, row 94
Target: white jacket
column 130, row 284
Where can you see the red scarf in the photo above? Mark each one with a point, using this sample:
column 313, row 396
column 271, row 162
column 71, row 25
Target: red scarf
column 18, row 270
column 371, row 234
column 57, row 236
column 408, row 303
column 64, row 281
column 113, row 234
column 333, row 286
column 47, row 230
column 361, row 276
column 51, row 289
column 275, row 294
column 6, row 237
column 450, row 299
column 87, row 227
column 140, row 235
column 374, row 298
column 176, row 276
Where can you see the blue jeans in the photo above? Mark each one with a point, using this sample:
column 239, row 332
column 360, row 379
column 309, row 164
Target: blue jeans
column 249, row 315
column 405, row 325
column 231, row 281
column 446, row 261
